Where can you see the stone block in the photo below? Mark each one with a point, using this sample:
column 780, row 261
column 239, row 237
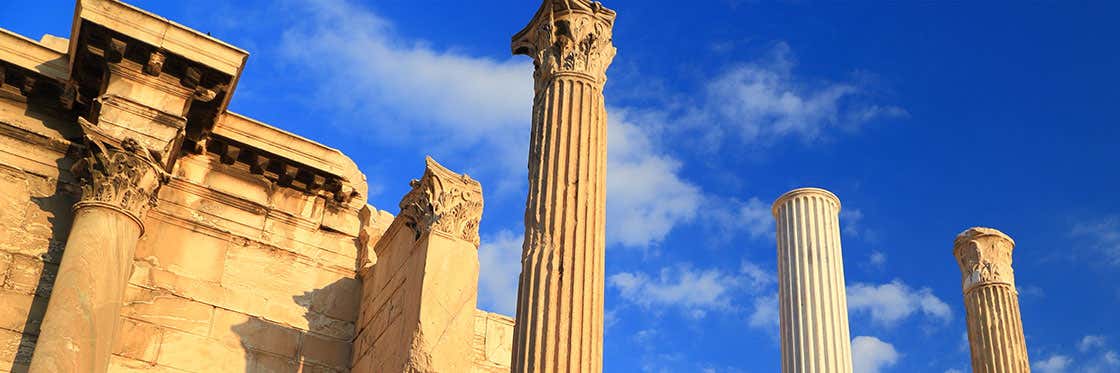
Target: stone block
column 261, row 362
column 162, row 308
column 254, row 333
column 199, row 354
column 326, row 351
column 23, row 275
column 20, row 311
column 338, row 300
column 194, row 253
column 297, row 203
column 121, row 364
column 15, row 350
column 138, row 340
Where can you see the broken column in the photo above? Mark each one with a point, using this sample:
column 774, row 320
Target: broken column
column 119, row 184
column 812, row 299
column 419, row 297
column 995, row 327
column 559, row 323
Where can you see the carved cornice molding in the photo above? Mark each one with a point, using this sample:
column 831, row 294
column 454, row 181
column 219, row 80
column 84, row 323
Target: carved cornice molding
column 444, row 201
column 122, row 176
column 568, row 37
column 984, row 255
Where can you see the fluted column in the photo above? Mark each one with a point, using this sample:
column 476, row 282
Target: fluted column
column 119, row 182
column 812, row 299
column 559, row 326
column 995, row 328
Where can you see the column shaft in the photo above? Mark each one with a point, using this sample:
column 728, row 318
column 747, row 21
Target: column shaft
column 995, row 327
column 559, row 322
column 119, row 184
column 812, row 299
column 81, row 319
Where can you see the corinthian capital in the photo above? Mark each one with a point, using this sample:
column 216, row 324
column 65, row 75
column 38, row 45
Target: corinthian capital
column 120, row 175
column 445, row 202
column 568, row 36
column 984, row 255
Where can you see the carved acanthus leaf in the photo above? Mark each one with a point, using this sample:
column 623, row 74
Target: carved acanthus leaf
column 568, row 36
column 446, row 202
column 984, row 256
column 121, row 175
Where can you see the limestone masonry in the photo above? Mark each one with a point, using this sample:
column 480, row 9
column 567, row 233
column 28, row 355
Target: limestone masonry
column 146, row 228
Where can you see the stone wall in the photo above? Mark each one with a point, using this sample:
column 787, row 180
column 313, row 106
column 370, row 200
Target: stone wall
column 250, row 260
column 36, row 195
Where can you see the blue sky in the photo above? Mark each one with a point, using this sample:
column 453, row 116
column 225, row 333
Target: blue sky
column 926, row 118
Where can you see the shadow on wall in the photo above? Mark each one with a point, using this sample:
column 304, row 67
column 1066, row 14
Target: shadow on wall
column 323, row 347
column 55, row 208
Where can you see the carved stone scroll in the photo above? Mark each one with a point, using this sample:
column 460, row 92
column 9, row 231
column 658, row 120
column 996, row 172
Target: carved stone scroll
column 568, row 36
column 445, row 202
column 124, row 177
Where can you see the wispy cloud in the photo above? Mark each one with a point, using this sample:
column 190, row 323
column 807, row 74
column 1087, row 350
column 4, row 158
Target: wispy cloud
column 646, row 196
column 890, row 303
column 499, row 261
column 1053, row 364
column 694, row 291
column 1102, row 236
column 763, row 101
column 872, row 355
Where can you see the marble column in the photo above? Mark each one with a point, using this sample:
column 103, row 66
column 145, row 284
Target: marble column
column 559, row 322
column 812, row 299
column 995, row 328
column 118, row 185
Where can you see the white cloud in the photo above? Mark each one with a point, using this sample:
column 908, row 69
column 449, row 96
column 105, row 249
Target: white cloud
column 1090, row 342
column 694, row 291
column 871, row 355
column 1103, row 236
column 764, row 315
column 646, row 196
column 889, row 303
column 877, row 259
column 764, row 101
column 757, row 278
column 1053, row 364
column 499, row 260
column 953, row 371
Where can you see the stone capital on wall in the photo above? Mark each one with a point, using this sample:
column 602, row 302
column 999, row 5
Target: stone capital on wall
column 445, row 202
column 568, row 37
column 120, row 175
column 984, row 255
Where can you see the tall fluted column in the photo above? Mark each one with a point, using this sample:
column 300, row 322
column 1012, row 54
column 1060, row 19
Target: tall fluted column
column 118, row 185
column 559, row 325
column 813, row 303
column 995, row 328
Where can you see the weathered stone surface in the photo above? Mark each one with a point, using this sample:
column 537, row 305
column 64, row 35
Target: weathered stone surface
column 330, row 352
column 995, row 327
column 811, row 296
column 198, row 254
column 254, row 333
column 138, row 340
column 418, row 302
column 168, row 310
column 562, row 270
column 199, row 354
